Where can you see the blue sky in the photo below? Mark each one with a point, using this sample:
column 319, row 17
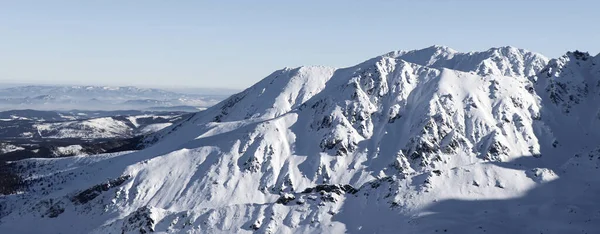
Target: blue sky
column 236, row 43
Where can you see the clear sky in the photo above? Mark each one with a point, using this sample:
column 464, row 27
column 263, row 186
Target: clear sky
column 236, row 43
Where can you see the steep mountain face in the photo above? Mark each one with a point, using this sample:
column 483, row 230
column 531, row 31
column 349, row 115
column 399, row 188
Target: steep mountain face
column 421, row 141
column 571, row 80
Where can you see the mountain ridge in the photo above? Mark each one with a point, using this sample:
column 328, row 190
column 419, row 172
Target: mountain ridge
column 305, row 149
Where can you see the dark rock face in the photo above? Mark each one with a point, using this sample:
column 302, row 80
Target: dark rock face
column 332, row 188
column 10, row 181
column 255, row 226
column 140, row 220
column 320, row 193
column 581, row 55
column 227, row 105
column 285, row 199
column 55, row 210
column 563, row 84
column 496, row 151
column 93, row 192
column 341, row 146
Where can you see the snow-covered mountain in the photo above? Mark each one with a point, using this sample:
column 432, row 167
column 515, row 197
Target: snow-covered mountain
column 506, row 61
column 99, row 98
column 425, row 141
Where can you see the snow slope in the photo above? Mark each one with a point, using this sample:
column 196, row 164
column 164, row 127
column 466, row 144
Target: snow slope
column 422, row 141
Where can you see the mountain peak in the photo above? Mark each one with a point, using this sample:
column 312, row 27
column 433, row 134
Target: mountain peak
column 309, row 148
column 505, row 61
column 579, row 55
column 506, row 50
column 428, row 51
column 441, row 48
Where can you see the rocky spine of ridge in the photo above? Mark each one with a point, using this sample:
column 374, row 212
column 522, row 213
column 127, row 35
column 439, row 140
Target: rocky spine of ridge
column 303, row 147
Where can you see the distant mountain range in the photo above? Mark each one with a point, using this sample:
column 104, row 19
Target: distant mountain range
column 101, row 98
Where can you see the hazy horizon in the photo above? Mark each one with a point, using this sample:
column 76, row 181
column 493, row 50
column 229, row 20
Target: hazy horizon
column 180, row 89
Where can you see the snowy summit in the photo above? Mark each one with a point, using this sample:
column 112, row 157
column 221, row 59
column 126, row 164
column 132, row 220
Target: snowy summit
column 423, row 141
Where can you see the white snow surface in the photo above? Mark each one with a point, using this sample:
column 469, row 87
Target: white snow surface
column 426, row 141
column 105, row 127
column 69, row 150
column 7, row 148
column 154, row 127
column 102, row 127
